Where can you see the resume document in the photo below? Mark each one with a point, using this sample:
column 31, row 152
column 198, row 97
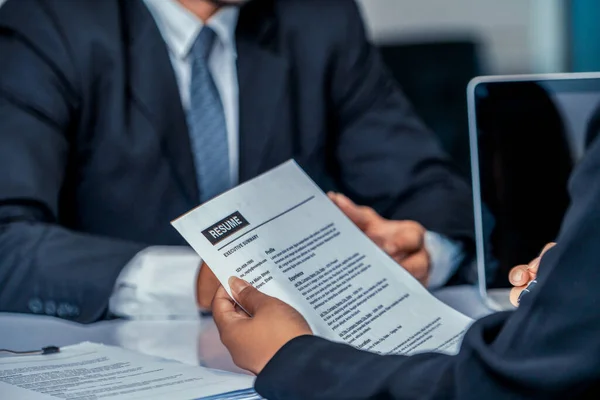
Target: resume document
column 282, row 234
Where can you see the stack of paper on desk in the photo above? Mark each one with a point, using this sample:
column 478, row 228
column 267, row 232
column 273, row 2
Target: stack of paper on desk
column 282, row 234
column 90, row 371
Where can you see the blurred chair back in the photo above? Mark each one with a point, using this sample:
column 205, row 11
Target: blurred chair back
column 434, row 76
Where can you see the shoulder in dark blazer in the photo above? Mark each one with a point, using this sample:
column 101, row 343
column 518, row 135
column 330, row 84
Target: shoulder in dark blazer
column 547, row 349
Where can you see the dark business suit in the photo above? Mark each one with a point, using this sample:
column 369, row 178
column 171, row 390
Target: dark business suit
column 95, row 152
column 549, row 348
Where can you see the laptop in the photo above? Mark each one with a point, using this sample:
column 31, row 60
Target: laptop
column 527, row 133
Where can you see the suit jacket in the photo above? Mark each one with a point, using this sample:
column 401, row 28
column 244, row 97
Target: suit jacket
column 95, row 152
column 548, row 349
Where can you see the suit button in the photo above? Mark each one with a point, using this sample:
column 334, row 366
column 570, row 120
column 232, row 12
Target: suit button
column 36, row 306
column 50, row 308
column 63, row 310
column 74, row 311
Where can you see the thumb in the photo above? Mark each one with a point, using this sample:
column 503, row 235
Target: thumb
column 546, row 248
column 360, row 216
column 246, row 295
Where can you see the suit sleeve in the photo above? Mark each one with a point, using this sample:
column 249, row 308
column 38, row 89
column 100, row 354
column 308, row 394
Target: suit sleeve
column 44, row 266
column 547, row 349
column 388, row 159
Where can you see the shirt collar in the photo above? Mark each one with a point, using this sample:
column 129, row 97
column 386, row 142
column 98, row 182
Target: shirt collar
column 180, row 27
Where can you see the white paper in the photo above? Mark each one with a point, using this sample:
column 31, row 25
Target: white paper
column 90, row 371
column 14, row 392
column 299, row 247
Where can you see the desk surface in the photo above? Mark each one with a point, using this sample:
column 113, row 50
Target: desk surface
column 191, row 342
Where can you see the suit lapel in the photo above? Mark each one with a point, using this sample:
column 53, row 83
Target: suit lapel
column 154, row 89
column 262, row 77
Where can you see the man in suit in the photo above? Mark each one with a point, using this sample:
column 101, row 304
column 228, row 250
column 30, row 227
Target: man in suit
column 117, row 116
column 548, row 348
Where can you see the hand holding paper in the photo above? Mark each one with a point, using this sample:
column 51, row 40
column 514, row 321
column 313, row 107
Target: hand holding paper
column 284, row 236
column 207, row 286
column 253, row 341
column 403, row 241
column 522, row 276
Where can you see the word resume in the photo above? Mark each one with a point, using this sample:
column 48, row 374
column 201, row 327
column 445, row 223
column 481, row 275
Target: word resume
column 283, row 235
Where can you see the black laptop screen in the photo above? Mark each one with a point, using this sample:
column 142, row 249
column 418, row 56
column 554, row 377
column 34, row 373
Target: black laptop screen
column 530, row 134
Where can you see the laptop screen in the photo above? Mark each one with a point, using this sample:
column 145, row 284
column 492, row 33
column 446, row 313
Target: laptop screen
column 527, row 134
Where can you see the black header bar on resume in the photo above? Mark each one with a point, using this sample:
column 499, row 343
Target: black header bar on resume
column 225, row 228
column 266, row 222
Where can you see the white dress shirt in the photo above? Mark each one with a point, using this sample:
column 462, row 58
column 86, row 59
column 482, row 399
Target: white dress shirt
column 160, row 282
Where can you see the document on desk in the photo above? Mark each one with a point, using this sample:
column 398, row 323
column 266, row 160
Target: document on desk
column 94, row 371
column 282, row 234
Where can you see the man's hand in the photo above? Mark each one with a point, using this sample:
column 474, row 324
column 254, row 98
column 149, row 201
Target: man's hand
column 206, row 287
column 253, row 341
column 404, row 241
column 521, row 275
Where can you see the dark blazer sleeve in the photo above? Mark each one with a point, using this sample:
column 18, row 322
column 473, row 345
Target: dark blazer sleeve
column 387, row 157
column 44, row 267
column 546, row 349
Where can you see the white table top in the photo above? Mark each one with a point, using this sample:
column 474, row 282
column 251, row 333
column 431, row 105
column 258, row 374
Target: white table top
column 191, row 342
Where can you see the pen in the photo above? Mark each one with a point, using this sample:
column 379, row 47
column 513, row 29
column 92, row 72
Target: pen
column 42, row 352
column 527, row 290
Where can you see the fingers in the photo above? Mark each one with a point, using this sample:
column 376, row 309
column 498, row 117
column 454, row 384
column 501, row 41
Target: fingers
column 532, row 267
column 410, row 236
column 523, row 274
column 399, row 239
column 222, row 304
column 206, row 286
column 519, row 275
column 535, row 263
column 246, row 295
column 361, row 216
column 224, row 309
column 514, row 295
column 546, row 248
column 393, row 249
column 418, row 265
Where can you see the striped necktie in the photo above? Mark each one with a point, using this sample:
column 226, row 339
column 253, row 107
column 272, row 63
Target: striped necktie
column 206, row 122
